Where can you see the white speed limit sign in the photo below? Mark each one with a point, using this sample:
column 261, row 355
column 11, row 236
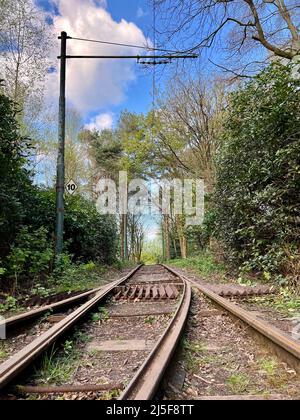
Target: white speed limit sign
column 71, row 187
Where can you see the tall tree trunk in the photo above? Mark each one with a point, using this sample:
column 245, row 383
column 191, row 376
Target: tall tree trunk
column 125, row 237
column 175, row 246
column 163, row 239
column 167, row 237
column 133, row 240
column 122, row 238
column 183, row 247
column 182, row 237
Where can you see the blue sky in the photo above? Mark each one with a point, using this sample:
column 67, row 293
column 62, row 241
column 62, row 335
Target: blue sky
column 101, row 89
column 135, row 90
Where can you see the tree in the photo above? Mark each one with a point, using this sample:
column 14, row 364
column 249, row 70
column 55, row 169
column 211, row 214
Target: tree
column 236, row 27
column 137, row 236
column 25, row 49
column 134, row 133
column 189, row 127
column 90, row 236
column 106, row 151
column 3, row 5
column 152, row 252
column 258, row 178
column 185, row 135
column 15, row 180
column 78, row 160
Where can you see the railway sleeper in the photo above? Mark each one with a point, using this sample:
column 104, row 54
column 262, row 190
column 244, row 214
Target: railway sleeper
column 133, row 293
column 233, row 291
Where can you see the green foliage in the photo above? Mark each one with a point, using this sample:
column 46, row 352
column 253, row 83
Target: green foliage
column 30, row 258
column 14, row 179
column 192, row 353
column 81, row 337
column 104, row 314
column 89, row 239
column 40, row 290
column 58, row 367
column 90, row 236
column 134, row 132
column 152, row 252
column 286, row 302
column 27, row 218
column 150, row 320
column 238, row 383
column 3, row 351
column 96, row 317
column 31, row 253
column 68, row 347
column 68, row 276
column 269, row 365
column 106, row 148
column 202, row 264
column 258, row 172
column 101, row 316
column 199, row 236
column 10, row 304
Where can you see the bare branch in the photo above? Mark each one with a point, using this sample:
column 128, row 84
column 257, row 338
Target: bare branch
column 238, row 26
column 261, row 35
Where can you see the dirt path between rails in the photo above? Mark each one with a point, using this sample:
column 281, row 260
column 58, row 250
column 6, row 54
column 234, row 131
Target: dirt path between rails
column 220, row 357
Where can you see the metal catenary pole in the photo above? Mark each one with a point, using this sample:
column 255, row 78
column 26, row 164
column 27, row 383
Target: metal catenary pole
column 60, row 180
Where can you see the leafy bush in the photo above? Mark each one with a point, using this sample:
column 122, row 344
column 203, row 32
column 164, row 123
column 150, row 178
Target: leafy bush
column 31, row 255
column 90, row 236
column 258, row 172
column 199, row 236
column 10, row 304
column 27, row 216
column 68, row 276
column 14, row 179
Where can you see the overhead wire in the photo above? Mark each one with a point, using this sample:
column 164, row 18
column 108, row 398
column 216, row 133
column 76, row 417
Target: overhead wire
column 145, row 47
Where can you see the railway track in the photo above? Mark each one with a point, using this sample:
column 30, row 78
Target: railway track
column 149, row 303
column 280, row 343
column 145, row 314
column 16, row 320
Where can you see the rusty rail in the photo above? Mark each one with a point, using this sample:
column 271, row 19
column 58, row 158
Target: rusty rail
column 147, row 379
column 17, row 363
column 34, row 313
column 66, row 389
column 287, row 348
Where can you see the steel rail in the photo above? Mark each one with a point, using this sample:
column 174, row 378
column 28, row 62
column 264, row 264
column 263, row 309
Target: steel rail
column 146, row 381
column 286, row 347
column 34, row 313
column 17, row 363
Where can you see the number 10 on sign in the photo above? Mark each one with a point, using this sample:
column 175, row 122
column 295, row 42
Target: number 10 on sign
column 71, row 187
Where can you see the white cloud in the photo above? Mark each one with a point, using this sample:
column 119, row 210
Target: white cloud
column 100, row 122
column 93, row 84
